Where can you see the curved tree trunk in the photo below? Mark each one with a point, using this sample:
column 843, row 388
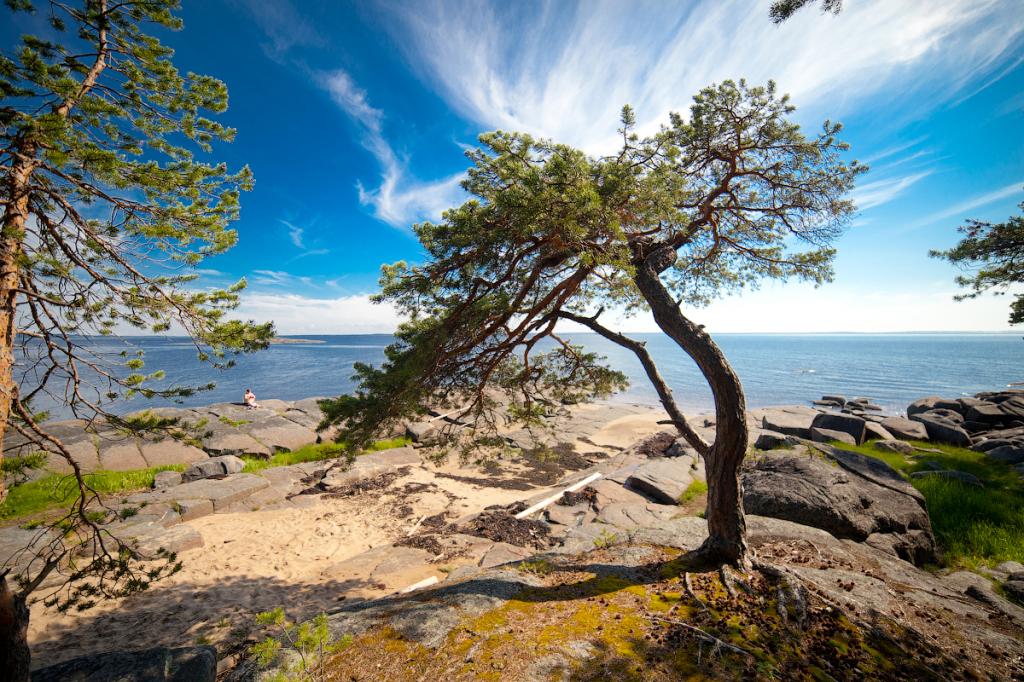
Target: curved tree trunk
column 639, row 348
column 726, row 527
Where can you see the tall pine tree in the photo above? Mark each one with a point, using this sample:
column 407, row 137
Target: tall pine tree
column 109, row 203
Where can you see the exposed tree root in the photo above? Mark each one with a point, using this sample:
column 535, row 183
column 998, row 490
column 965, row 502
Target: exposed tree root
column 690, row 592
column 705, row 637
column 790, row 592
column 730, row 581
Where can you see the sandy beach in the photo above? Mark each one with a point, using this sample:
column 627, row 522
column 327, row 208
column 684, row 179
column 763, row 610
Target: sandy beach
column 301, row 558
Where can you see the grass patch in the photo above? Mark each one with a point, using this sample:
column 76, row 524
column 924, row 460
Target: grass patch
column 307, row 453
column 316, row 453
column 233, row 422
column 974, row 526
column 387, row 444
column 694, row 490
column 57, row 490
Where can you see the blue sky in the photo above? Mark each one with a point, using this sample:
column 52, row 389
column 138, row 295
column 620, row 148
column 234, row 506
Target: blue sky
column 354, row 118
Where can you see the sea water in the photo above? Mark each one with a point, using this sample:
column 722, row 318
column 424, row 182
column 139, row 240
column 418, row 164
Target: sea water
column 891, row 369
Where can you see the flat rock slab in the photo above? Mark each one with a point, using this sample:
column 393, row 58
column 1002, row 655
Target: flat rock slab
column 632, row 516
column 390, row 566
column 193, row 509
column 427, row 617
column 568, row 516
column 503, row 553
column 225, row 442
column 220, row 493
column 187, row 664
column 338, row 476
column 393, row 457
column 168, row 451
column 791, row 420
column 590, row 535
column 685, row 532
column 875, row 431
column 176, row 539
column 279, row 433
column 1011, row 454
column 121, row 457
column 663, row 480
column 609, row 492
column 82, row 450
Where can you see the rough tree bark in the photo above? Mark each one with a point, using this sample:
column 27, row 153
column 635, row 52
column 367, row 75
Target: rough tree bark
column 727, row 529
column 13, row 230
column 15, row 658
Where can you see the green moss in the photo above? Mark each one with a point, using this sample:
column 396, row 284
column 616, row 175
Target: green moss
column 694, row 490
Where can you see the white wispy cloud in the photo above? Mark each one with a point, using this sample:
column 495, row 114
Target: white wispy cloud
column 961, row 209
column 564, row 70
column 877, row 192
column 279, row 278
column 283, row 25
column 294, row 233
column 295, row 314
column 399, row 199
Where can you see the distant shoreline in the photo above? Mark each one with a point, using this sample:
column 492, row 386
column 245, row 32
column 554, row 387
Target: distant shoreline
column 285, row 340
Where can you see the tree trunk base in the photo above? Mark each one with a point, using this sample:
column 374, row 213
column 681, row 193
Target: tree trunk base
column 714, row 553
column 15, row 657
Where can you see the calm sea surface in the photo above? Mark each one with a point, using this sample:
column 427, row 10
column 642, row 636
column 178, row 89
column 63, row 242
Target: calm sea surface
column 775, row 369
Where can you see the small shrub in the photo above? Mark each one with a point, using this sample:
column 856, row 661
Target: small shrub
column 605, row 539
column 539, row 567
column 311, row 642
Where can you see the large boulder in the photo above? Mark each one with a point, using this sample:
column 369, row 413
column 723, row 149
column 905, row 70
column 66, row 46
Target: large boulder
column 187, row 664
column 422, row 433
column 845, row 423
column 905, row 429
column 846, row 494
column 1009, row 410
column 828, row 436
column 1011, row 454
column 942, row 430
column 214, row 466
column 893, row 445
column 769, row 440
column 875, row 431
column 662, row 480
column 789, row 420
column 923, row 405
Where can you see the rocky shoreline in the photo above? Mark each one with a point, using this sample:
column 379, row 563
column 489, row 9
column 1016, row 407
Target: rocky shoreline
column 451, row 525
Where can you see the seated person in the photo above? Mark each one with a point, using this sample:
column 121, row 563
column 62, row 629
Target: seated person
column 250, row 400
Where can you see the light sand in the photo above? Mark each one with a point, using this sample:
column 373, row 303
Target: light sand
column 257, row 561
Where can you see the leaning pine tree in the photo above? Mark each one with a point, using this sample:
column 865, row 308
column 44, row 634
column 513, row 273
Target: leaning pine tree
column 108, row 205
column 708, row 205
